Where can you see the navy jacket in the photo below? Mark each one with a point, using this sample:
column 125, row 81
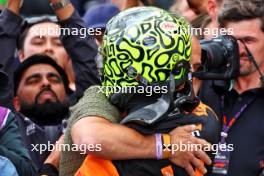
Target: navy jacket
column 246, row 134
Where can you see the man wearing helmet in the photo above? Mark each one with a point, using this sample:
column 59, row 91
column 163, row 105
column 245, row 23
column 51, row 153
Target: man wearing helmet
column 156, row 55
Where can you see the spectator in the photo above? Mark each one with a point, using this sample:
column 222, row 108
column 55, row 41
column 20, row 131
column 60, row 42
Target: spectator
column 10, row 26
column 213, row 9
column 198, row 6
column 31, row 43
column 41, row 100
column 41, row 36
column 12, row 151
column 14, row 158
column 241, row 106
column 183, row 8
column 97, row 17
column 8, row 47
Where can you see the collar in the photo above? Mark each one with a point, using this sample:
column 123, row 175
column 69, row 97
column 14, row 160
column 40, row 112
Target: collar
column 223, row 87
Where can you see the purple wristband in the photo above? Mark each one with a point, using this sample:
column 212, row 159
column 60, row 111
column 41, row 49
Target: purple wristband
column 159, row 152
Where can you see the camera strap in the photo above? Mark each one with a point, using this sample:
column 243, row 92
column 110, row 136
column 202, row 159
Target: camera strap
column 227, row 125
column 253, row 60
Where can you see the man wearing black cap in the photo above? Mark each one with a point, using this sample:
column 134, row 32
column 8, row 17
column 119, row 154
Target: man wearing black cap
column 41, row 100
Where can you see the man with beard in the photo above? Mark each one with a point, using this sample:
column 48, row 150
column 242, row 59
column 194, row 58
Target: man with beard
column 40, row 87
column 43, row 35
column 239, row 102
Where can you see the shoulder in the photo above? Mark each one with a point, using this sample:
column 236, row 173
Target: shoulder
column 94, row 103
column 92, row 97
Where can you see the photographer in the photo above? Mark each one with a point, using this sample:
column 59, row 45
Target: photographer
column 239, row 103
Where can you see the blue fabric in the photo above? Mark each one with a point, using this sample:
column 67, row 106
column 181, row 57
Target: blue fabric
column 98, row 15
column 7, row 168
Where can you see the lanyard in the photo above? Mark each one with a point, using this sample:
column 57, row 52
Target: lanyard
column 227, row 125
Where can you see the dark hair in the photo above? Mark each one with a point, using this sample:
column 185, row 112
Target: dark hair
column 38, row 59
column 29, row 22
column 238, row 10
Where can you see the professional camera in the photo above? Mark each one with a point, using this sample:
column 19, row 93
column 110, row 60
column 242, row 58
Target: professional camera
column 219, row 60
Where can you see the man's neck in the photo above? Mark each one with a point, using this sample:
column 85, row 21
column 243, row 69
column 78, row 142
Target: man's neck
column 244, row 83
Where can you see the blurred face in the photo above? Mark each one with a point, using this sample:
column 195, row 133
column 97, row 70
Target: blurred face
column 42, row 38
column 119, row 3
column 99, row 38
column 198, row 6
column 213, row 8
column 40, row 84
column 196, row 54
column 183, row 8
column 248, row 32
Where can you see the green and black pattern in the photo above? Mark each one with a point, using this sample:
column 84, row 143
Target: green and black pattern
column 148, row 39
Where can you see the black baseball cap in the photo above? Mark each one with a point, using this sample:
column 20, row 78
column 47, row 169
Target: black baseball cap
column 38, row 59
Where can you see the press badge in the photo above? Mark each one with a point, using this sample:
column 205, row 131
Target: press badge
column 221, row 162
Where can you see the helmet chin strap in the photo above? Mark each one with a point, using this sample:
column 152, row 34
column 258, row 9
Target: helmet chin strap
column 186, row 101
column 253, row 60
column 168, row 104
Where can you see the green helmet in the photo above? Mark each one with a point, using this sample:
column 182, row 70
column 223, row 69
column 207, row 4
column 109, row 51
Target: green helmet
column 145, row 45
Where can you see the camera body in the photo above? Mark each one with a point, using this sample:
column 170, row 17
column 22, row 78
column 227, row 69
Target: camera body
column 219, row 60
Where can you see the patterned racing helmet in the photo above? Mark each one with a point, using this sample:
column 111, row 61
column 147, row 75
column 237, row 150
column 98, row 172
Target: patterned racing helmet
column 145, row 45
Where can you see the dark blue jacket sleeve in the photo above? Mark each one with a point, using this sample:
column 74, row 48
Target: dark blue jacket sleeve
column 10, row 26
column 82, row 51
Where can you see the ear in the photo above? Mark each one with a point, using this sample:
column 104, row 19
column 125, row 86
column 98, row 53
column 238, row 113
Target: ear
column 21, row 55
column 16, row 103
column 212, row 9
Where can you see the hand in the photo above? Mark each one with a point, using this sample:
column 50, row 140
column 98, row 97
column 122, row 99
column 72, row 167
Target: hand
column 65, row 12
column 54, row 156
column 190, row 156
column 14, row 5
